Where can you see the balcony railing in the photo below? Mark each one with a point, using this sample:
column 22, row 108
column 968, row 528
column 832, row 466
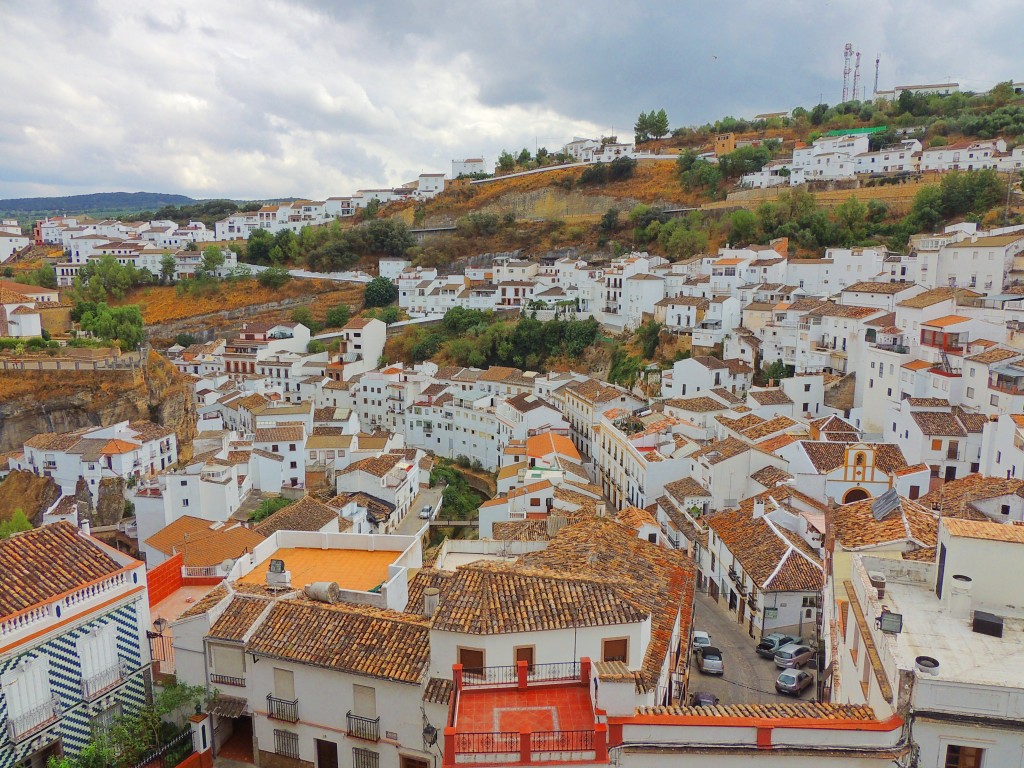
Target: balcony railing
column 365, row 728
column 1006, row 386
column 509, row 675
column 562, row 741
column 105, row 679
column 282, row 709
column 238, row 682
column 33, row 720
column 496, row 743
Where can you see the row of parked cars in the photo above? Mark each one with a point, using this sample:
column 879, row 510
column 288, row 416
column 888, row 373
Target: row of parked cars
column 787, row 651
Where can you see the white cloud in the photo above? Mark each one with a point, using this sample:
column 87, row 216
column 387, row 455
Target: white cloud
column 280, row 98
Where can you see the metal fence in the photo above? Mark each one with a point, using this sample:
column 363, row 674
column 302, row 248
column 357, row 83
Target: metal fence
column 495, row 743
column 169, row 754
column 562, row 741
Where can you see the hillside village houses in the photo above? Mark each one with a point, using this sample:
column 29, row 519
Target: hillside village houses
column 846, row 154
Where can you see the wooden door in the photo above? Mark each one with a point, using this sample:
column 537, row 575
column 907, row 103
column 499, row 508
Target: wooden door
column 326, row 754
column 739, row 613
column 525, row 653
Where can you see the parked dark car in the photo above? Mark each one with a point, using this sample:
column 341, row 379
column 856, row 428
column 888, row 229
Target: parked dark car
column 710, row 661
column 703, row 699
column 771, row 643
column 794, row 681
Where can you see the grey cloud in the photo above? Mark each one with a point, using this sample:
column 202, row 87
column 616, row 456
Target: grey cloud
column 315, row 98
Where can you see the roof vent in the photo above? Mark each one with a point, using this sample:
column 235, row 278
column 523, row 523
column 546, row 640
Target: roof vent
column 323, row 592
column 926, row 665
column 986, row 623
column 877, row 579
column 277, row 576
column 431, row 597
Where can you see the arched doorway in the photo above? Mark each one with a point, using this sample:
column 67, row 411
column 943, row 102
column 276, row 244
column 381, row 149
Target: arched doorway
column 855, row 494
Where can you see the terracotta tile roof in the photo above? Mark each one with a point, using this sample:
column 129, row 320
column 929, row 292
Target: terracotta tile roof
column 358, row 639
column 928, row 298
column 781, row 711
column 208, row 601
column 994, row 355
column 868, row 286
column 938, row 423
column 826, row 456
column 727, row 396
column 721, row 450
column 635, row 518
column 686, row 488
column 484, row 600
column 202, row 544
column 988, row 530
column 956, row 496
column 238, row 618
column 378, row 509
column 916, row 365
column 378, row 466
column 696, row 404
column 854, row 525
column 498, row 373
column 769, row 427
column 38, row 565
column 306, row 514
column 524, row 402
column 770, row 476
column 769, row 397
column 280, row 434
column 254, row 402
column 520, row 530
column 848, row 311
column 775, row 559
column 747, row 421
column 438, row 691
column 833, row 425
column 886, row 321
column 147, row 430
column 56, row 441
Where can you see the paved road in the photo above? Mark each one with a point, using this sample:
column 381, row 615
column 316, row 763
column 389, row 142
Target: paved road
column 748, row 678
column 411, row 525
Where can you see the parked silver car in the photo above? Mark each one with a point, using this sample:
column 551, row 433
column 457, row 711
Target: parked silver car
column 793, row 656
column 710, row 661
column 794, row 681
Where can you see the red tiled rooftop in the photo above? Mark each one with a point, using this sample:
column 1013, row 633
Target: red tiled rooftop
column 540, row 708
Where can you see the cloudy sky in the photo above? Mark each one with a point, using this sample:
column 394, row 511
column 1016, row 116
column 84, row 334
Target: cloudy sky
column 275, row 98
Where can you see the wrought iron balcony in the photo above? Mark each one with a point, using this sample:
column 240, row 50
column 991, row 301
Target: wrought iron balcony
column 365, row 728
column 282, row 709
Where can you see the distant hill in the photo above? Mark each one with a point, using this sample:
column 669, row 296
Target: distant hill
column 97, row 202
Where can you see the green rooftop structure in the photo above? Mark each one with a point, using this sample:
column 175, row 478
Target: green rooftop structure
column 858, row 131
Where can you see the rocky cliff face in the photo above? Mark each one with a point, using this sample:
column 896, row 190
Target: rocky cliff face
column 32, row 402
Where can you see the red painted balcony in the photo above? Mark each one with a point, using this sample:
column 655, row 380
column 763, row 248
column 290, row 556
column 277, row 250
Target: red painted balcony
column 524, row 715
column 944, row 340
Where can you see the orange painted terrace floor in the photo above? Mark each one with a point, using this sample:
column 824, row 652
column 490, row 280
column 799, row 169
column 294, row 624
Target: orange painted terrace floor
column 537, row 708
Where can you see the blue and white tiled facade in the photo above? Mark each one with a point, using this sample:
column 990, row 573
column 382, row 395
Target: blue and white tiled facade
column 73, row 727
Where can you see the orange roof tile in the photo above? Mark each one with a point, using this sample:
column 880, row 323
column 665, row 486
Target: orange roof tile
column 943, row 322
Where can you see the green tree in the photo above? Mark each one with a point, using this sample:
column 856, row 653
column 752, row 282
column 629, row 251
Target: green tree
column 380, row 292
column 658, row 124
column 642, row 127
column 818, row 114
column 648, row 335
column 257, row 248
column 17, row 523
column 213, row 259
column 506, row 161
column 267, row 507
column 778, row 371
column 116, row 324
column 185, row 339
column 337, row 316
column 742, row 227
column 315, row 346
column 274, row 277
column 305, row 316
column 168, row 267
column 610, row 220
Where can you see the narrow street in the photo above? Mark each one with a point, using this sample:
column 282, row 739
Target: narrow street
column 411, row 525
column 748, row 678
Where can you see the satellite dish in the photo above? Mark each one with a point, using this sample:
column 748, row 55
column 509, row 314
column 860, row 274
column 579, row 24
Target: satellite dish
column 227, row 565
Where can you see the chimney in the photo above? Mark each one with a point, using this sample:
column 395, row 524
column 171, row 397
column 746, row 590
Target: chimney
column 960, row 597
column 431, row 596
column 758, row 509
column 83, row 524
